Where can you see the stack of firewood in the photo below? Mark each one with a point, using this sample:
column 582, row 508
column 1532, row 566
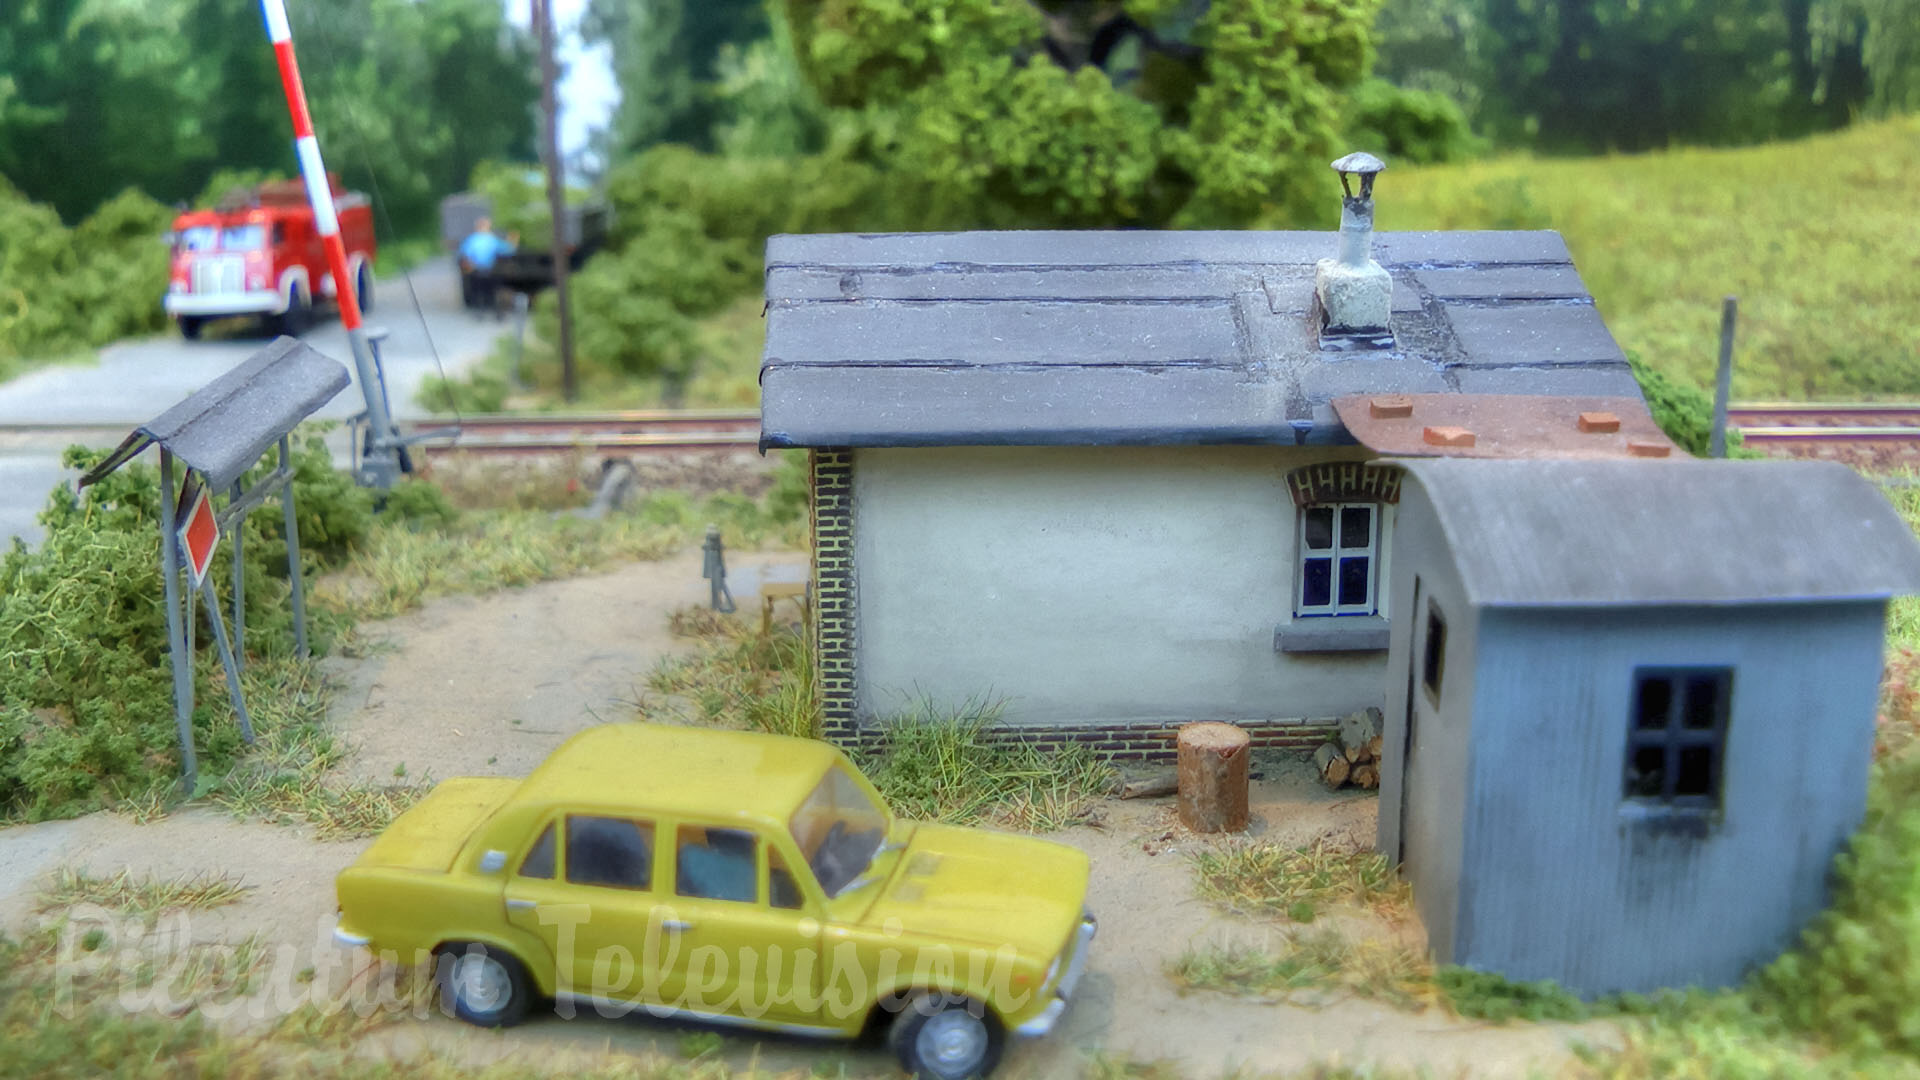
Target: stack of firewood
column 1353, row 757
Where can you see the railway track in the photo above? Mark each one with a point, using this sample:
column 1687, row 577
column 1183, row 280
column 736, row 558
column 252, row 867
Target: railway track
column 656, row 431
column 1873, row 436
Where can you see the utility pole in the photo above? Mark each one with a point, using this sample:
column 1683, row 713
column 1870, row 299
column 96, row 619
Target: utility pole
column 556, row 187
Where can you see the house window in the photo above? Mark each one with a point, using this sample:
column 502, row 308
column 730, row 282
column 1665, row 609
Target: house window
column 1433, row 662
column 1339, row 559
column 1678, row 737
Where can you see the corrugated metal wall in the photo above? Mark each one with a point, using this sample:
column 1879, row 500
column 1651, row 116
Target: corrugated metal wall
column 1563, row 879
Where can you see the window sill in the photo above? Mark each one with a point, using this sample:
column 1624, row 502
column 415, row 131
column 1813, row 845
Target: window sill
column 1332, row 633
column 1669, row 819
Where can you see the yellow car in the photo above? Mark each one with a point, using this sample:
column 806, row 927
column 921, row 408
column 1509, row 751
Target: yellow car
column 726, row 876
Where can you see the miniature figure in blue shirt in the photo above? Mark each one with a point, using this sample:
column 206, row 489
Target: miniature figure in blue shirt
column 478, row 252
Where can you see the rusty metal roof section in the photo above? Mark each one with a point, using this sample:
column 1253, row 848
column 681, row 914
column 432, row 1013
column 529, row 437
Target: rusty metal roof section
column 223, row 428
column 1504, row 426
column 1037, row 338
column 1691, row 532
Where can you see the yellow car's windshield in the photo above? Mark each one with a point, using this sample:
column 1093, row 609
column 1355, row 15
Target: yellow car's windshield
column 839, row 829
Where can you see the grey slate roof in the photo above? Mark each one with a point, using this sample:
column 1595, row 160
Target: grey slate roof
column 1685, row 532
column 1033, row 338
column 222, row 428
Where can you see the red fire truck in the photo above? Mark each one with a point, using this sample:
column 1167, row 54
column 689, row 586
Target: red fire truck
column 257, row 253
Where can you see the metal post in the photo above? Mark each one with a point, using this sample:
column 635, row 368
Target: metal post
column 227, row 662
column 176, row 633
column 517, row 374
column 239, row 586
column 556, row 188
column 1723, row 383
column 293, row 554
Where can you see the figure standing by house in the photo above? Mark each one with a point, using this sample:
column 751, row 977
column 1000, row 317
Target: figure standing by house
column 478, row 252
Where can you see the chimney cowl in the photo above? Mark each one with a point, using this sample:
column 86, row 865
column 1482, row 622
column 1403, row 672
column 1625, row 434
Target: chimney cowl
column 1355, row 293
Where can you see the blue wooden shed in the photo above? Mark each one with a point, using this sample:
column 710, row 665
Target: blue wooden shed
column 1630, row 708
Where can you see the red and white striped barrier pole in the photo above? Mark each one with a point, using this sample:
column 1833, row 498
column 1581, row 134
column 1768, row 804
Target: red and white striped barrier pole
column 381, row 465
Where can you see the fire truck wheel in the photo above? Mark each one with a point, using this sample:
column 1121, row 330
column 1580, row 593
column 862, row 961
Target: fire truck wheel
column 299, row 312
column 363, row 287
column 190, row 327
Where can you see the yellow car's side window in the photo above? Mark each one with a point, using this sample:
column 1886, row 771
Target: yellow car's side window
column 715, row 864
column 783, row 891
column 609, row 851
column 539, row 860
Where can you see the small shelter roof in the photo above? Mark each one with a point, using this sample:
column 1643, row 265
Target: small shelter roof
column 1592, row 533
column 223, row 428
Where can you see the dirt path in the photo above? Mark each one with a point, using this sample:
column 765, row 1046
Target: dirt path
column 490, row 685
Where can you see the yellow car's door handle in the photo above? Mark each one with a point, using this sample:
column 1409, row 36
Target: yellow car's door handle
column 675, row 925
column 521, row 905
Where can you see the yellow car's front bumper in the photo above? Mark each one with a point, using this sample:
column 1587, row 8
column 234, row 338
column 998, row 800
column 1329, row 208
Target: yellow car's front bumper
column 1076, row 961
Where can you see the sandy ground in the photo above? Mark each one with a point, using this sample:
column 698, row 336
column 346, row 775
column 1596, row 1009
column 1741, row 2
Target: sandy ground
column 490, row 685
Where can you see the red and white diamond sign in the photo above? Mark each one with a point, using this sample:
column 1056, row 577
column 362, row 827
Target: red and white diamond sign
column 199, row 535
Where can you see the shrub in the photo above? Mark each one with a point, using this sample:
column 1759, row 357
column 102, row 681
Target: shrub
column 1856, row 974
column 84, row 676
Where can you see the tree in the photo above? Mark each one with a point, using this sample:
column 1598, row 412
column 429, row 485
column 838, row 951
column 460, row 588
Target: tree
column 1002, row 112
column 667, row 58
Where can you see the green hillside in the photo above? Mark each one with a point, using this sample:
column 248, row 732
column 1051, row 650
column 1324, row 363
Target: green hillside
column 1819, row 238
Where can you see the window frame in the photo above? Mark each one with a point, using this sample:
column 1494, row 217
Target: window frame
column 1676, row 736
column 1334, row 554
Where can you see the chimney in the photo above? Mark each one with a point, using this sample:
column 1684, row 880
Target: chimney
column 1354, row 292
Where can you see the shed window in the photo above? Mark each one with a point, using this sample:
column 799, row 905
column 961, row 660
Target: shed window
column 1339, row 557
column 1678, row 736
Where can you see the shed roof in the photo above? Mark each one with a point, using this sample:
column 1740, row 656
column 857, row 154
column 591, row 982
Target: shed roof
column 1033, row 338
column 222, row 428
column 1585, row 533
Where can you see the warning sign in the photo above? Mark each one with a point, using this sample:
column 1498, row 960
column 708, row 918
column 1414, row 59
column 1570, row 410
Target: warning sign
column 199, row 534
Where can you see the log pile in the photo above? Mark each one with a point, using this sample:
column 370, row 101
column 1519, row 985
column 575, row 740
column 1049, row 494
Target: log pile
column 1353, row 757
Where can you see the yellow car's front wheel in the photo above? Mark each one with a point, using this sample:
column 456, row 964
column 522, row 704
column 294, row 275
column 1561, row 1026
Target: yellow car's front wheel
column 483, row 986
column 946, row 1037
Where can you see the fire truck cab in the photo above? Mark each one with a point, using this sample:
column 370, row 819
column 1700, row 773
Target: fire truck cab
column 257, row 253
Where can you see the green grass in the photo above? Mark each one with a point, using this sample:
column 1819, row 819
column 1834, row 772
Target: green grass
column 737, row 677
column 139, row 895
column 1815, row 236
column 1266, row 880
column 1312, row 967
column 943, row 765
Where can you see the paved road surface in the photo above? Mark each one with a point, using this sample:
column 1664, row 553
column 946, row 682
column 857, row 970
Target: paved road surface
column 135, row 381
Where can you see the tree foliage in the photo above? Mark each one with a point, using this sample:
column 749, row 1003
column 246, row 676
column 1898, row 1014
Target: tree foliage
column 407, row 96
column 64, row 289
column 668, row 58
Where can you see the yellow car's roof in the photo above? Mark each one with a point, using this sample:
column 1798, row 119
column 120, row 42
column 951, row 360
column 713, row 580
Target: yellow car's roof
column 681, row 769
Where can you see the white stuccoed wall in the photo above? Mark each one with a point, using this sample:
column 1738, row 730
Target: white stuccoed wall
column 1089, row 583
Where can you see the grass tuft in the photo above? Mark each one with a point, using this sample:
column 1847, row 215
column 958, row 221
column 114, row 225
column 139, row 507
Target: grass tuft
column 1266, row 880
column 144, row 895
column 945, row 766
column 1312, row 967
column 738, row 677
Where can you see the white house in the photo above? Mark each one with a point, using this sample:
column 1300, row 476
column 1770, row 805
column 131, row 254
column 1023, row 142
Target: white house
column 1100, row 477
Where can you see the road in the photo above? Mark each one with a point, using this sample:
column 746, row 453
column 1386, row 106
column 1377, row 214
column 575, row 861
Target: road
column 134, row 381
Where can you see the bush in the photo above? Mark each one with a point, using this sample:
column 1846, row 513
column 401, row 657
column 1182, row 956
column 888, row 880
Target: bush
column 84, row 675
column 1856, row 975
column 64, row 289
column 1415, row 126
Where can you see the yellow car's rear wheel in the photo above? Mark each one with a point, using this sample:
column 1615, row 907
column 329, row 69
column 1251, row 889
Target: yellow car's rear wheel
column 483, row 986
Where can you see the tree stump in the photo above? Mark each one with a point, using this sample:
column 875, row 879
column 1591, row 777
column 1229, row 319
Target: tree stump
column 1213, row 761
